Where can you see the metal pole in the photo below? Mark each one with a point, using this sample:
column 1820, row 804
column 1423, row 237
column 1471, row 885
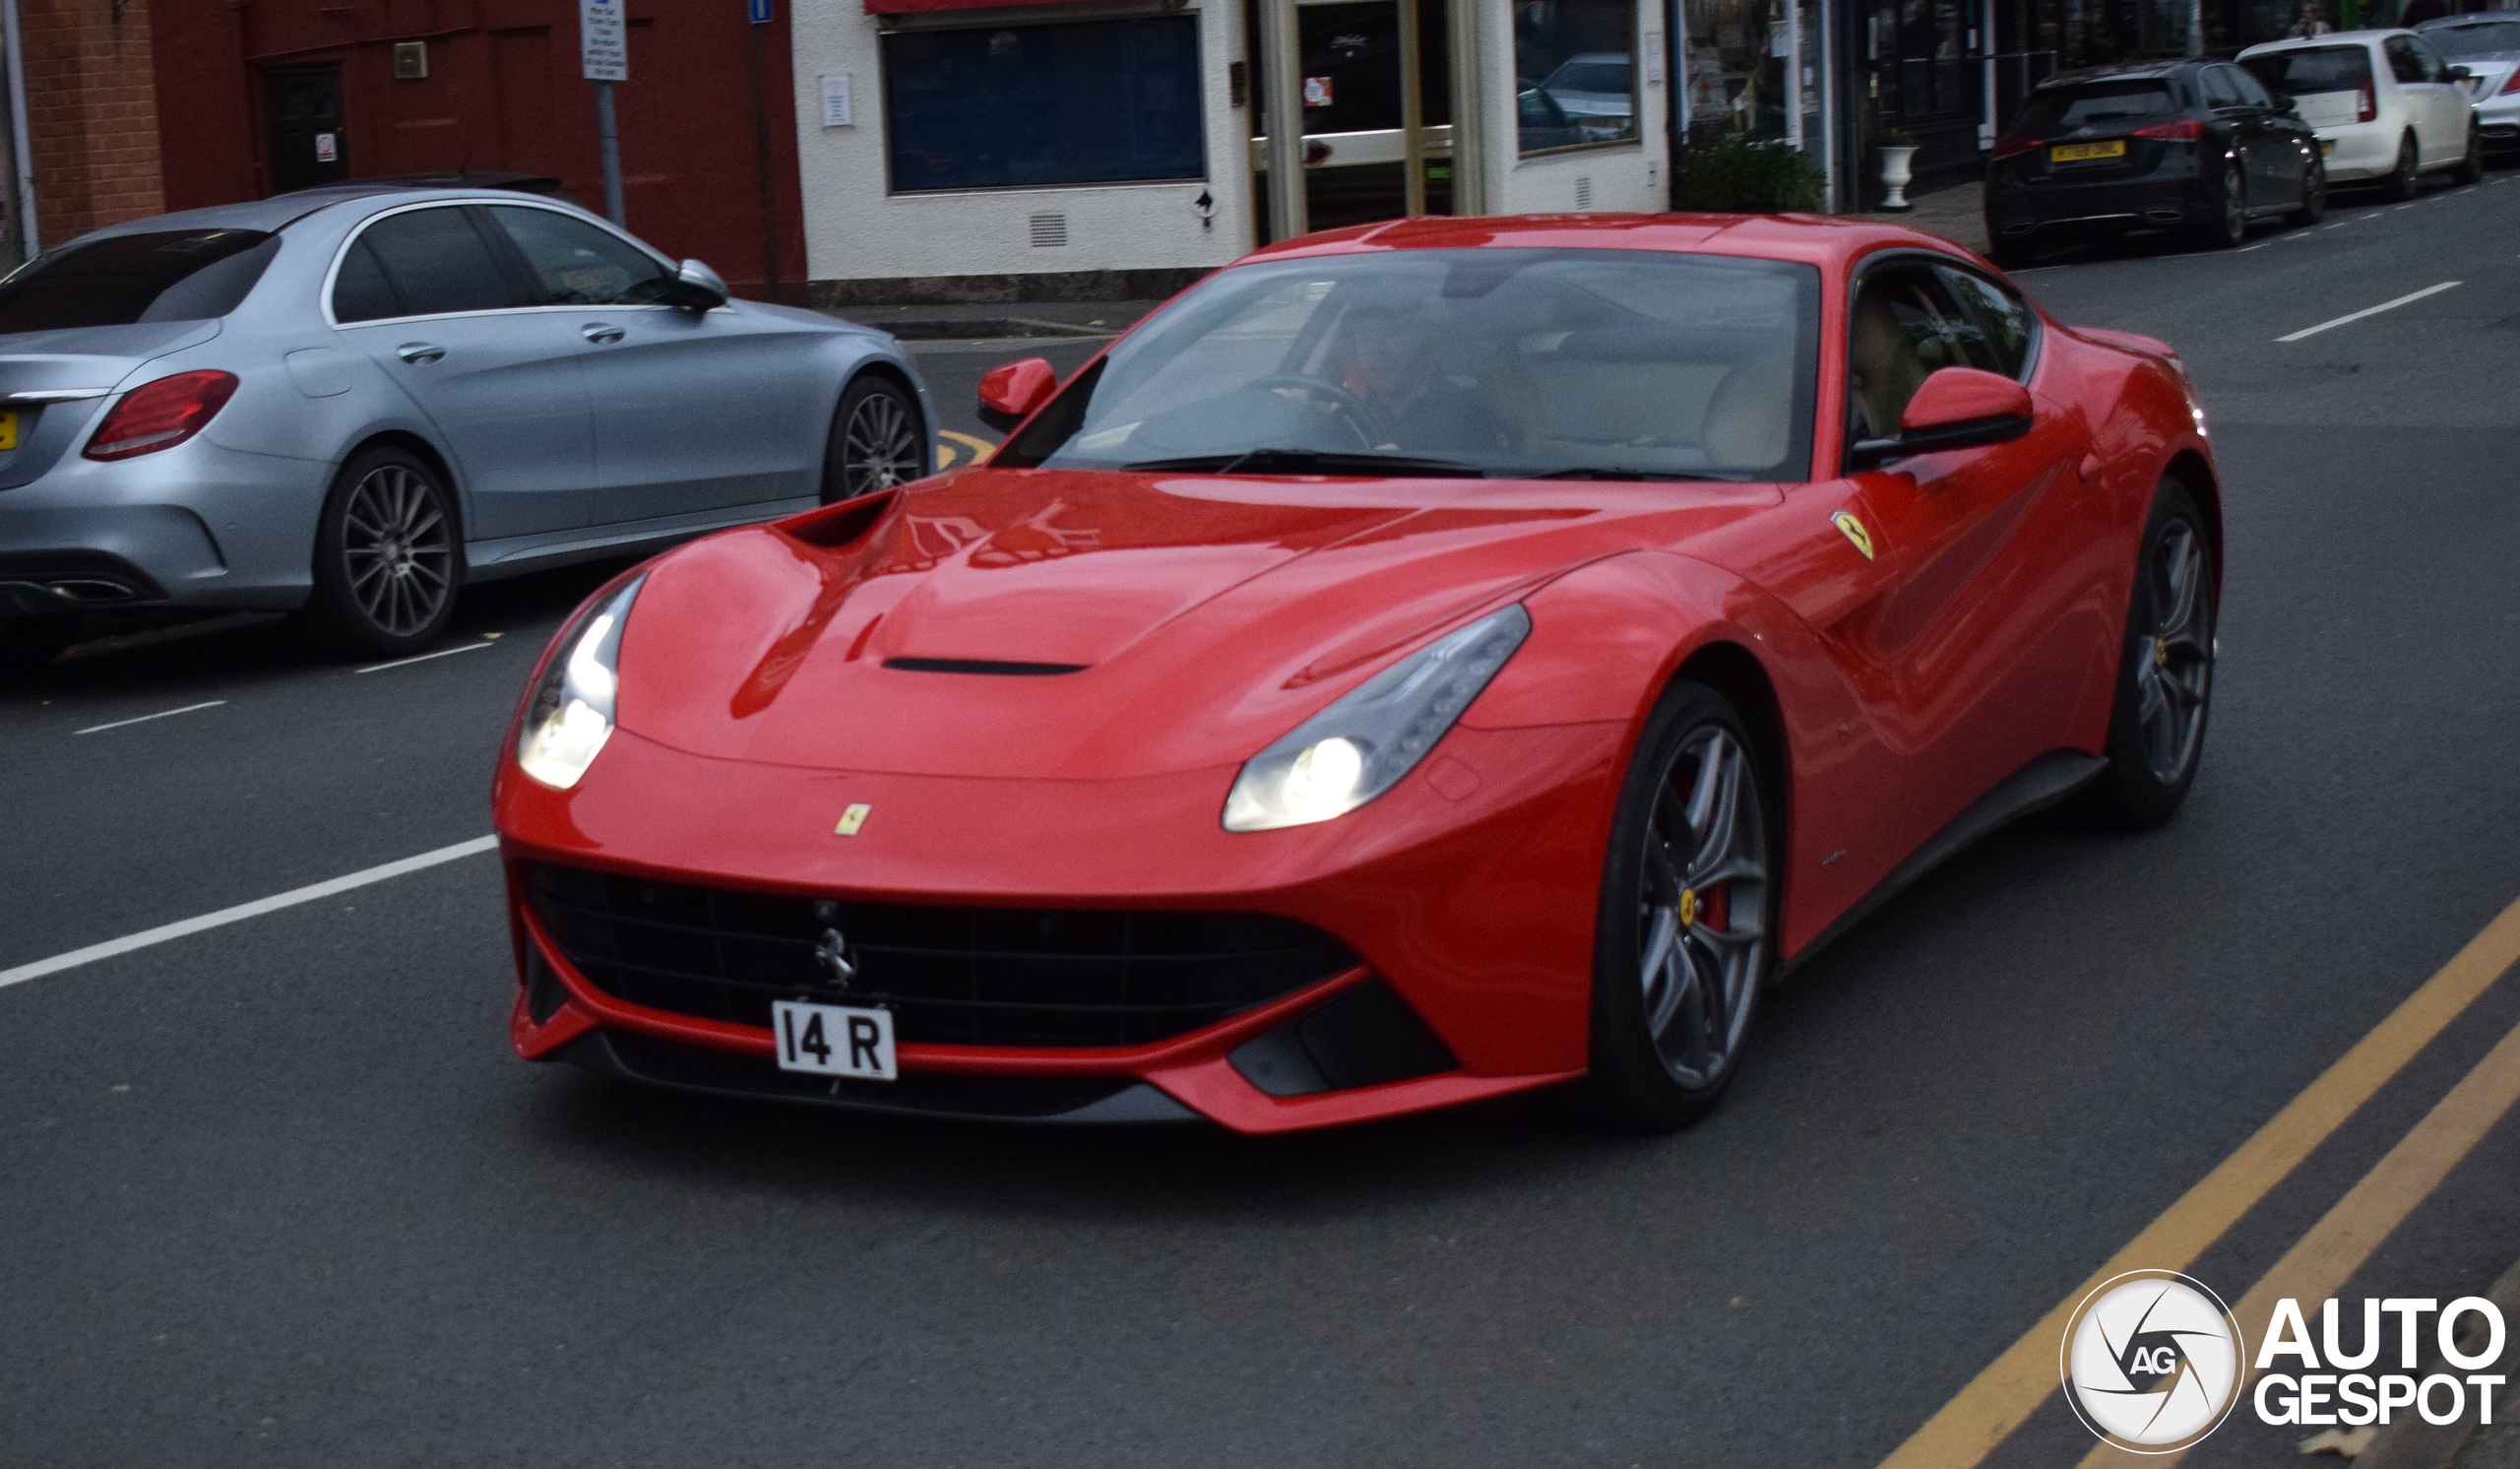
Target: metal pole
column 28, row 240
column 1282, row 67
column 2196, row 29
column 1469, row 110
column 608, row 137
column 1413, row 113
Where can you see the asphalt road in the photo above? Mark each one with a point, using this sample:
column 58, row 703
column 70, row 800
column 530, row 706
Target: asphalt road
column 280, row 1193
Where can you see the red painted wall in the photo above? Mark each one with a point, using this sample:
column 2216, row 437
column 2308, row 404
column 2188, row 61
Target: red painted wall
column 503, row 92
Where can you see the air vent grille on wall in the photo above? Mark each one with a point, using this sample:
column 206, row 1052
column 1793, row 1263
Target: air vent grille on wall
column 1583, row 195
column 1049, row 230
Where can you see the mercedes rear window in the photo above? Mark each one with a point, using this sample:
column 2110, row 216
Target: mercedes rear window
column 2064, row 108
column 2313, row 69
column 169, row 274
column 2473, row 39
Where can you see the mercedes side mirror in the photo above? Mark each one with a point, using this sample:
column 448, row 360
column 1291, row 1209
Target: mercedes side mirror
column 1957, row 408
column 698, row 287
column 1009, row 393
column 2460, row 74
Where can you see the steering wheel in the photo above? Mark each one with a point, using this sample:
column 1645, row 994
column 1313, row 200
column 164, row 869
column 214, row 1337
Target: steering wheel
column 1359, row 416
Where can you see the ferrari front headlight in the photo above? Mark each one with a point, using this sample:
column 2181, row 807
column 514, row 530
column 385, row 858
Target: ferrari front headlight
column 570, row 713
column 1361, row 746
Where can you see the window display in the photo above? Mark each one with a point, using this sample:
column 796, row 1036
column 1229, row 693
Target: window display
column 1575, row 72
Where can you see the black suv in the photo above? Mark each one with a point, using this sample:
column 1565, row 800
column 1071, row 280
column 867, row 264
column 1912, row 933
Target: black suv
column 2198, row 145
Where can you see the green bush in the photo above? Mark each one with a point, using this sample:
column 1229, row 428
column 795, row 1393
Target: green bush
column 1725, row 172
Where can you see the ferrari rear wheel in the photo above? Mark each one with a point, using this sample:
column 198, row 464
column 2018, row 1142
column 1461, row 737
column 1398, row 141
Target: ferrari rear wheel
column 1688, row 900
column 2166, row 673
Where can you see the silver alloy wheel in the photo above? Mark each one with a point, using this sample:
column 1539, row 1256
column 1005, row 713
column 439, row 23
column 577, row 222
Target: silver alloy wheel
column 2178, row 663
column 1703, row 910
column 401, row 561
column 879, row 445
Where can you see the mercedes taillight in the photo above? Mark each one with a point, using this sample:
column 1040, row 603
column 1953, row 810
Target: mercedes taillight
column 161, row 414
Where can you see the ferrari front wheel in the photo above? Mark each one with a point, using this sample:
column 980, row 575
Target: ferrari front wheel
column 1688, row 897
column 2166, row 670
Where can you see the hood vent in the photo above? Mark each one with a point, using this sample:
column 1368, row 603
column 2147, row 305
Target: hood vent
column 994, row 666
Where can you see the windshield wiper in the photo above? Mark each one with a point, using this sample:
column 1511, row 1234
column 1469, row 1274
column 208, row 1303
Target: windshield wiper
column 1587, row 472
column 1310, row 462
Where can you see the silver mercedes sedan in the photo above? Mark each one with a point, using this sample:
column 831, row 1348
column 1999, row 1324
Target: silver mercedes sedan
column 350, row 402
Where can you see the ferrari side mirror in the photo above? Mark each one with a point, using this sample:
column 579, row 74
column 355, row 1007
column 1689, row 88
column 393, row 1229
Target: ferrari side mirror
column 698, row 287
column 1009, row 393
column 1957, row 408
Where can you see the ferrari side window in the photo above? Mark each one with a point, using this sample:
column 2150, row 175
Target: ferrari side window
column 1903, row 326
column 2005, row 322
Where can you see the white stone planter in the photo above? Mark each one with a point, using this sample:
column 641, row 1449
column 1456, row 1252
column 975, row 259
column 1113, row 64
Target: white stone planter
column 1895, row 176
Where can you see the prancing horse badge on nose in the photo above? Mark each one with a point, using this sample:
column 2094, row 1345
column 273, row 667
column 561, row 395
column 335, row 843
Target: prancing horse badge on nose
column 1862, row 539
column 855, row 816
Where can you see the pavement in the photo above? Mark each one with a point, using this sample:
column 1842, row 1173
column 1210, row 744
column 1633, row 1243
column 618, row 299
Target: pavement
column 277, row 1191
column 1956, row 212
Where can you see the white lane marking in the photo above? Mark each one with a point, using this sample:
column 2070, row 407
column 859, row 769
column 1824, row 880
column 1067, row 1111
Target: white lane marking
column 405, row 662
column 146, row 717
column 2412, row 296
column 311, row 893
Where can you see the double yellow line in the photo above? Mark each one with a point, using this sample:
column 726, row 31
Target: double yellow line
column 2015, row 1384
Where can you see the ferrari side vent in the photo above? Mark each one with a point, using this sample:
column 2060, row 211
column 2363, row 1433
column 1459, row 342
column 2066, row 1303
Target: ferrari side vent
column 1362, row 1035
column 998, row 667
column 838, row 527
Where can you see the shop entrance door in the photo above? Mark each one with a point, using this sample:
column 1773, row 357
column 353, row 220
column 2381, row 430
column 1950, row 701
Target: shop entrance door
column 1375, row 82
column 302, row 131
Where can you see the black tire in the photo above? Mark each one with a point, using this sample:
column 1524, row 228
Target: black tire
column 388, row 558
column 2313, row 206
column 2228, row 224
column 2470, row 166
column 876, row 440
column 2403, row 180
column 2165, row 673
column 1660, row 1052
column 29, row 643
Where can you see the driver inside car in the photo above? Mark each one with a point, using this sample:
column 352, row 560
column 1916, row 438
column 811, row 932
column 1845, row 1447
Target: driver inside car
column 1396, row 368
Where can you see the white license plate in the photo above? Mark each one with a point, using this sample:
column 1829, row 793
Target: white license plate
column 833, row 1040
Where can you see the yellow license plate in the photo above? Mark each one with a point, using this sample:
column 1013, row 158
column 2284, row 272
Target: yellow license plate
column 8, row 429
column 2075, row 152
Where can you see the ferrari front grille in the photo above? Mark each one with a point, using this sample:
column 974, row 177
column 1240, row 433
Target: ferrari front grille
column 949, row 975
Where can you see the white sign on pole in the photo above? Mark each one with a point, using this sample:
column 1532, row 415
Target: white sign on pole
column 835, row 102
column 603, row 43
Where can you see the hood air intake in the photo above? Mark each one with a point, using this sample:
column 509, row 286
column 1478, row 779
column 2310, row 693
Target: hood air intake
column 1000, row 669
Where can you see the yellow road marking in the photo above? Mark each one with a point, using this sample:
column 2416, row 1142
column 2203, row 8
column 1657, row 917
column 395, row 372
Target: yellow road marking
column 2336, row 1246
column 944, row 456
column 978, row 446
column 2011, row 1388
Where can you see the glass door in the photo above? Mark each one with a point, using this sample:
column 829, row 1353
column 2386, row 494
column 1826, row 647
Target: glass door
column 1368, row 65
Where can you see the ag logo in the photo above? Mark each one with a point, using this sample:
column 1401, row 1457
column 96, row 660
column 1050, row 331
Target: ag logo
column 2152, row 1360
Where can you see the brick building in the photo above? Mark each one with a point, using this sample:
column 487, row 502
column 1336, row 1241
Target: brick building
column 92, row 112
column 141, row 105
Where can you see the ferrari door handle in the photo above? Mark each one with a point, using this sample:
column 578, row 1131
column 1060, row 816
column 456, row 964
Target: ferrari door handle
column 599, row 332
column 416, row 352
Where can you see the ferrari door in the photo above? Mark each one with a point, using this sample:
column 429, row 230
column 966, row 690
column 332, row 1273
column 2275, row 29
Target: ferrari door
column 1975, row 631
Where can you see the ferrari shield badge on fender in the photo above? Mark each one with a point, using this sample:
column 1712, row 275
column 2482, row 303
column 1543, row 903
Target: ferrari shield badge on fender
column 855, row 816
column 1855, row 534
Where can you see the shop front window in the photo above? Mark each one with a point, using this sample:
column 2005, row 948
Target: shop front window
column 1012, row 106
column 1736, row 66
column 1575, row 79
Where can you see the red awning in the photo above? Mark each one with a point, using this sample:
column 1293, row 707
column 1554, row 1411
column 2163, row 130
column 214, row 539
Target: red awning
column 906, row 7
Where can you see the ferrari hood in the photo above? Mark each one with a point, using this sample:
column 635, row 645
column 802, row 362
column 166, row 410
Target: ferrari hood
column 1033, row 623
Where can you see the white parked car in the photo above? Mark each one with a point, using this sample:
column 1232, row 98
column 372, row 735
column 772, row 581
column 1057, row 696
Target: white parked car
column 2488, row 44
column 2385, row 104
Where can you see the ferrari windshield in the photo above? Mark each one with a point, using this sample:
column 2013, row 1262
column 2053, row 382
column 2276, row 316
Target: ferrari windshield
column 1514, row 362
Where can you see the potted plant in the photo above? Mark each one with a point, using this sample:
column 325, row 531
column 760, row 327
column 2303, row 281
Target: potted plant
column 1898, row 145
